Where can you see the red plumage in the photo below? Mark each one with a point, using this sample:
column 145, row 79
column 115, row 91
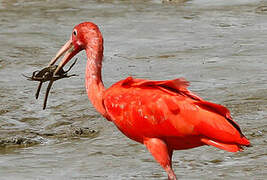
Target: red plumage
column 167, row 110
column 162, row 115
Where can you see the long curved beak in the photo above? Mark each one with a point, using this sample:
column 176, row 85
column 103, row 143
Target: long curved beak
column 69, row 51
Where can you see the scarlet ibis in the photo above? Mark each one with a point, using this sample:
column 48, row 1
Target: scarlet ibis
column 163, row 115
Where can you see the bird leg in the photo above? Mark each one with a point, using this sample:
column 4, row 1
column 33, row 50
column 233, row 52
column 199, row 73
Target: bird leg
column 162, row 154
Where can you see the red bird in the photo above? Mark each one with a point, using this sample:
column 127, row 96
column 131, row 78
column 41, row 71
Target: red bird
column 162, row 115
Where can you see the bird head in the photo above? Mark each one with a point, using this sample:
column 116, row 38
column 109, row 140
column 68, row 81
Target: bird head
column 84, row 35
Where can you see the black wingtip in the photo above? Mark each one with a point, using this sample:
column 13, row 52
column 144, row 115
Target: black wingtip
column 250, row 145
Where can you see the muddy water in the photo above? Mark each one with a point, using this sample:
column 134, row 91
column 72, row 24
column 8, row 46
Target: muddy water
column 219, row 46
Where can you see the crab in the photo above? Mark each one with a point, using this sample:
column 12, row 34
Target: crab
column 47, row 74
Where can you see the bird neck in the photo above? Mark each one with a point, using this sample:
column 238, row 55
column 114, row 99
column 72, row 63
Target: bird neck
column 93, row 79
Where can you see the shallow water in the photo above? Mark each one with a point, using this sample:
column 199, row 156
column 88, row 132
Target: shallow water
column 219, row 46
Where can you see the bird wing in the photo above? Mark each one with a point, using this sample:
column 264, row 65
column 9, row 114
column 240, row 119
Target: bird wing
column 168, row 109
column 172, row 87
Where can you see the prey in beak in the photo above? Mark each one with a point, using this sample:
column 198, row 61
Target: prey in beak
column 54, row 72
column 69, row 50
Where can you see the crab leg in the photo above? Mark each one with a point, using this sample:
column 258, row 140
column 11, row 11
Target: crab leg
column 38, row 89
column 71, row 65
column 47, row 92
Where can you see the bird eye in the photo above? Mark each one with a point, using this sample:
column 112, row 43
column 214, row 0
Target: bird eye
column 75, row 32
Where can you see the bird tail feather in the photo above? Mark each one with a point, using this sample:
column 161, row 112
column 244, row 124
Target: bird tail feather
column 223, row 146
